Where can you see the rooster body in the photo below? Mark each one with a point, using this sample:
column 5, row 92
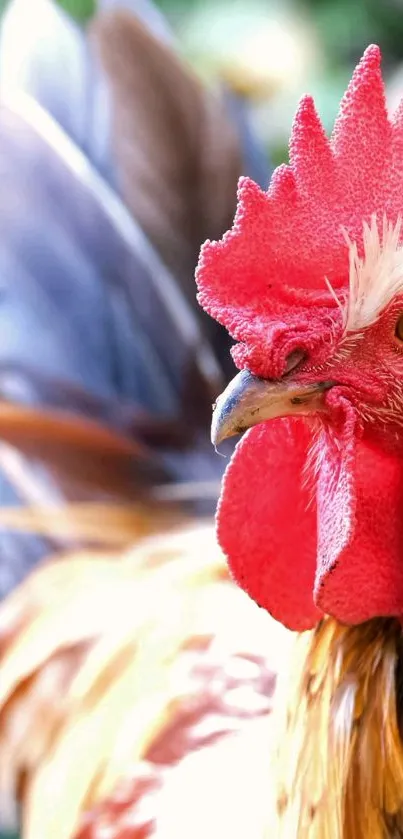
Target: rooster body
column 310, row 511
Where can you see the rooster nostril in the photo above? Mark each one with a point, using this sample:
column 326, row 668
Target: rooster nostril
column 295, row 358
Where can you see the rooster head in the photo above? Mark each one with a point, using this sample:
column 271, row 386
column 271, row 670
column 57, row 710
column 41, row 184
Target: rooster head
column 309, row 281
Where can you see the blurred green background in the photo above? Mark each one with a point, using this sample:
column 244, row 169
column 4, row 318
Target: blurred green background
column 283, row 48
column 343, row 26
column 294, row 46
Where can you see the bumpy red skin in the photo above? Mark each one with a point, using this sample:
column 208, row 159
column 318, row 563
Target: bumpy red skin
column 311, row 512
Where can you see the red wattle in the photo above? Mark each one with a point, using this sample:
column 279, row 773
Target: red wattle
column 266, row 521
column 360, row 522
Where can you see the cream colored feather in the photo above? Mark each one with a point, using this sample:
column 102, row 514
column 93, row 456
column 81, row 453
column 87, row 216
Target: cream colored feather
column 92, row 667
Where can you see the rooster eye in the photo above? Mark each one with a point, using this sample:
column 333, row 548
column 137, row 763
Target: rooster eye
column 399, row 329
column 297, row 356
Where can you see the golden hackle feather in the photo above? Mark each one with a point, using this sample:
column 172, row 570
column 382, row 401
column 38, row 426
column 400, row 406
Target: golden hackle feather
column 339, row 759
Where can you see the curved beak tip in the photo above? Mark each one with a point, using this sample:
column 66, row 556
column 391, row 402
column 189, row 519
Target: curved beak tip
column 248, row 401
column 227, row 410
column 222, row 429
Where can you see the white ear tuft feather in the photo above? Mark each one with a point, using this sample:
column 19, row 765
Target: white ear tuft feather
column 376, row 277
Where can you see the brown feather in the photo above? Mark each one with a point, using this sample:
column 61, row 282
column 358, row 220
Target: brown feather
column 86, row 457
column 177, row 154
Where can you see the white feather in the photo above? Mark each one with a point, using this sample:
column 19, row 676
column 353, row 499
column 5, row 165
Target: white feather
column 376, row 277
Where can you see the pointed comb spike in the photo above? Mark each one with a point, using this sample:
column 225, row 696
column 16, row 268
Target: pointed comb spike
column 229, row 274
column 252, row 212
column 363, row 104
column 251, row 199
column 362, row 138
column 310, row 153
column 282, row 186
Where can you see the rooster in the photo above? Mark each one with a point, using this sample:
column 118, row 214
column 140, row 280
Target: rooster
column 309, row 281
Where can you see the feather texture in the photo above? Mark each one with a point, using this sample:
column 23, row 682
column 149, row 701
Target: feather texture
column 97, row 655
column 177, row 153
column 339, row 766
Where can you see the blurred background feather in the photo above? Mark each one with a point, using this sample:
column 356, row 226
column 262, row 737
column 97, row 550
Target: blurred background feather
column 98, row 310
column 116, row 163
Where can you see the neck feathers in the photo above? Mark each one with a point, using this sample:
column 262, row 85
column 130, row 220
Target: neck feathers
column 339, row 771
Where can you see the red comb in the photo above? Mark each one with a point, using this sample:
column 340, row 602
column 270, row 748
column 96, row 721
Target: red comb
column 269, row 272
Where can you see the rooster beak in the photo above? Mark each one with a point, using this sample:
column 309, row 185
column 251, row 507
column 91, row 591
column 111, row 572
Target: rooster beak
column 248, row 400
